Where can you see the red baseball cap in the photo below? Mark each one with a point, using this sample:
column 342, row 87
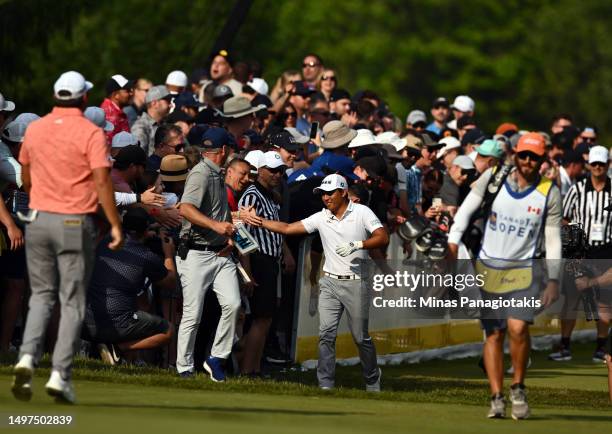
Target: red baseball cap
column 533, row 142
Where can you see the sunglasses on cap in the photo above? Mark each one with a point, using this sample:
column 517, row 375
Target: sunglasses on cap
column 310, row 64
column 524, row 155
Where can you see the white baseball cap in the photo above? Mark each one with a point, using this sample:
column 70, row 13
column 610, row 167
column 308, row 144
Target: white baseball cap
column 71, row 85
column 14, row 131
column 259, row 85
column 6, row 105
column 463, row 103
column 123, row 139
column 364, row 137
column 271, row 160
column 98, row 117
column 331, row 183
column 416, row 116
column 177, row 78
column 254, row 157
column 392, row 138
column 27, row 118
column 598, row 154
column 449, row 143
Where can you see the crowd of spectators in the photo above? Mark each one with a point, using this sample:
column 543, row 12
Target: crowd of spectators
column 283, row 139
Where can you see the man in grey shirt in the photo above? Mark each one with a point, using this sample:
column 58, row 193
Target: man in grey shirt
column 203, row 261
column 158, row 106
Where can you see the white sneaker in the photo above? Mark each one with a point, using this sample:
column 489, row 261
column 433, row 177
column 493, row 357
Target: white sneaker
column 510, row 370
column 375, row 387
column 61, row 389
column 22, row 381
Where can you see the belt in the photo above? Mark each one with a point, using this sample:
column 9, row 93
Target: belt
column 346, row 277
column 207, row 248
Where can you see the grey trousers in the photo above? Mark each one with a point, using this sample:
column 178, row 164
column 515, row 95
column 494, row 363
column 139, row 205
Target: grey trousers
column 199, row 271
column 335, row 297
column 60, row 252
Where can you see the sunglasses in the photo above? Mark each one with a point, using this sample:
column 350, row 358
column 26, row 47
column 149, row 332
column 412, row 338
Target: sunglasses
column 588, row 139
column 277, row 170
column 524, row 155
column 320, row 113
column 325, row 78
column 598, row 164
column 310, row 65
column 290, row 114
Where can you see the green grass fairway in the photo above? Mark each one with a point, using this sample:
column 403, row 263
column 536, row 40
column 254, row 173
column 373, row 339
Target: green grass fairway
column 434, row 397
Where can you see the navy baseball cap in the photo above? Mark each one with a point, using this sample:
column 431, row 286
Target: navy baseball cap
column 335, row 163
column 215, row 137
column 187, row 99
column 283, row 139
column 303, row 89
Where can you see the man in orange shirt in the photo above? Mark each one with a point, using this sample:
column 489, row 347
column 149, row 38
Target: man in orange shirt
column 65, row 163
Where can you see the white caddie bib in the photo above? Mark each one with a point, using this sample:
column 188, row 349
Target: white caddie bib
column 511, row 237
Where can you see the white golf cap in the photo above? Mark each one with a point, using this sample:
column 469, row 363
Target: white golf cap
column 71, row 85
column 598, row 154
column 98, row 117
column 449, row 143
column 14, row 131
column 254, row 157
column 464, row 162
column 416, row 116
column 123, row 139
column 299, row 137
column 271, row 160
column 364, row 137
column 27, row 118
column 259, row 85
column 392, row 138
column 463, row 103
column 6, row 105
column 331, row 183
column 177, row 78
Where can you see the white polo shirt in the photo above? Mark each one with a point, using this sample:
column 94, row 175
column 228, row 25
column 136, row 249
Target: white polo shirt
column 357, row 222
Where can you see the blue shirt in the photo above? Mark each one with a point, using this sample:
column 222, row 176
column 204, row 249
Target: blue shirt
column 434, row 128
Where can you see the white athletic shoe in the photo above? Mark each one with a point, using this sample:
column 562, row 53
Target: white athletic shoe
column 61, row 389
column 22, row 381
column 510, row 370
column 375, row 387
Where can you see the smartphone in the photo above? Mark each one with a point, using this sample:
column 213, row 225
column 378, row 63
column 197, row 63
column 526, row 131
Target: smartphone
column 314, row 129
column 436, row 202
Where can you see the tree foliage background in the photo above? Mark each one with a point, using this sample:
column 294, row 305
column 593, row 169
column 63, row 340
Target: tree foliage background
column 521, row 60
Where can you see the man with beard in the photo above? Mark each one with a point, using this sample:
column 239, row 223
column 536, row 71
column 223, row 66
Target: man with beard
column 526, row 207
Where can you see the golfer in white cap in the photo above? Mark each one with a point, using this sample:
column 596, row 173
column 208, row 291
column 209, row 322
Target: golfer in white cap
column 347, row 229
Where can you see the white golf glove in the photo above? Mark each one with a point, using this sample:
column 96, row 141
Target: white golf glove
column 346, row 249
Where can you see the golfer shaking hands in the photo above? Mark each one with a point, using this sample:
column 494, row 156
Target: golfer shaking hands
column 347, row 230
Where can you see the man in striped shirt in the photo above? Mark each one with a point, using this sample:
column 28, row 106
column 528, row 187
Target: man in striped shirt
column 263, row 265
column 585, row 204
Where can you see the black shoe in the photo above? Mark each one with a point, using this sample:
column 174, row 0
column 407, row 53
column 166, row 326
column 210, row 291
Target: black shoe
column 278, row 357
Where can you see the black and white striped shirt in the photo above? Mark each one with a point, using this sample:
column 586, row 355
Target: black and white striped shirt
column 270, row 243
column 585, row 206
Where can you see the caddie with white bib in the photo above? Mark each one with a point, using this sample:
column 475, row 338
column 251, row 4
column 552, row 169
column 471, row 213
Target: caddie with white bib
column 525, row 209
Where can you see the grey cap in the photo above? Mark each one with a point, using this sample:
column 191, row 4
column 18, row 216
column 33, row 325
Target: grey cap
column 5, row 105
column 464, row 162
column 97, row 116
column 156, row 93
column 222, row 91
column 27, row 118
column 416, row 116
column 299, row 137
column 15, row 131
